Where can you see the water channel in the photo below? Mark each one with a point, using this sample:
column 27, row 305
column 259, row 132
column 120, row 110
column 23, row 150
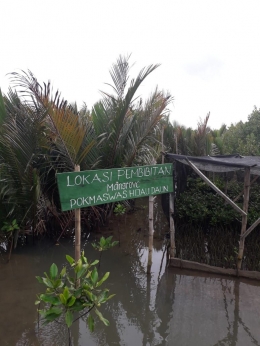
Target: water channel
column 171, row 307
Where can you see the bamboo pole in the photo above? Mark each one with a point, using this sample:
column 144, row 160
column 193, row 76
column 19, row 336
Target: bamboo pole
column 77, row 226
column 244, row 217
column 172, row 227
column 242, row 192
column 214, row 187
column 162, row 144
column 250, row 229
column 150, row 246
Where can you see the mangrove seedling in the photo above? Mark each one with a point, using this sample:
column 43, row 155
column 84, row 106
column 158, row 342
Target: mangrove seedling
column 69, row 298
column 11, row 231
column 119, row 210
column 103, row 245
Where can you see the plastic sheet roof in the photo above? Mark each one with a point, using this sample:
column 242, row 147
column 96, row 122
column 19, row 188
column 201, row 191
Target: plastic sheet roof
column 220, row 163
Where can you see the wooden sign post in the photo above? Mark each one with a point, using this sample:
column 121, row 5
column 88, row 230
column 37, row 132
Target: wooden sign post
column 77, row 227
column 88, row 188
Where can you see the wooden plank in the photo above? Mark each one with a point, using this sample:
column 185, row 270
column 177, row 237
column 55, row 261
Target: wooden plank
column 89, row 188
column 184, row 264
column 215, row 188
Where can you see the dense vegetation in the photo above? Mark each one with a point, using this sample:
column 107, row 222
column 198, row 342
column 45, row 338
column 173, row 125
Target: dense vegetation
column 42, row 134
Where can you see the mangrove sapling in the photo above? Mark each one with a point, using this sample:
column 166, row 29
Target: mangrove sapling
column 11, row 231
column 69, row 298
column 104, row 244
column 119, row 210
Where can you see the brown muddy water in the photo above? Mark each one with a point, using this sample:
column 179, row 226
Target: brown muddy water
column 170, row 307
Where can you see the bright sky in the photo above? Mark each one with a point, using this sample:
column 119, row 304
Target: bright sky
column 209, row 50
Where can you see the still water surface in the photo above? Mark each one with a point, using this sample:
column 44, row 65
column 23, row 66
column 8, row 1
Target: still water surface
column 171, row 307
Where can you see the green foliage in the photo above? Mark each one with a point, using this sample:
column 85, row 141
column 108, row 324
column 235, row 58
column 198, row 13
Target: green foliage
column 199, row 204
column 244, row 138
column 196, row 142
column 42, row 134
column 10, row 226
column 69, row 294
column 120, row 209
column 127, row 123
column 10, row 231
column 104, row 244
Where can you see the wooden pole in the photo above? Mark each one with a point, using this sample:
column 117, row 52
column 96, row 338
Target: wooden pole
column 241, row 193
column 172, row 227
column 244, row 217
column 77, row 227
column 150, row 246
column 162, row 144
column 250, row 229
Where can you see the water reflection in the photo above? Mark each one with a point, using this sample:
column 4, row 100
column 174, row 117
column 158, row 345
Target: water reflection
column 171, row 308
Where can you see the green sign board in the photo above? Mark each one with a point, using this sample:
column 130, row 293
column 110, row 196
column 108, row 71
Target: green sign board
column 88, row 188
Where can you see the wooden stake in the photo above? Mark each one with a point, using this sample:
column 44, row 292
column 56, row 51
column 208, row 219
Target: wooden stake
column 172, row 227
column 162, row 144
column 77, row 227
column 244, row 217
column 150, row 246
column 242, row 192
column 251, row 228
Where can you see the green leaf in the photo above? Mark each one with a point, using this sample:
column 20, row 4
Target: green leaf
column 91, row 323
column 94, row 263
column 37, row 302
column 108, row 240
column 105, row 321
column 53, row 271
column 70, row 259
column 63, row 272
column 102, row 297
column 66, row 293
column 71, row 301
column 81, row 272
column 78, row 266
column 47, row 282
column 50, row 318
column 102, row 241
column 94, row 276
column 40, row 280
column 69, row 318
column 71, row 280
column 51, row 314
column 78, row 305
column 62, row 299
column 53, row 310
column 83, row 258
column 46, row 298
column 58, row 283
column 111, row 296
column 89, row 295
column 104, row 278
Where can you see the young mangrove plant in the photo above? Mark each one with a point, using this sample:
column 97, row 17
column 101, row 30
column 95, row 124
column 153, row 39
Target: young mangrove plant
column 103, row 245
column 119, row 210
column 70, row 297
column 10, row 231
